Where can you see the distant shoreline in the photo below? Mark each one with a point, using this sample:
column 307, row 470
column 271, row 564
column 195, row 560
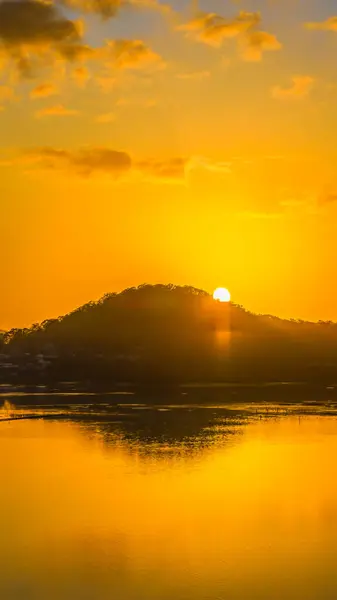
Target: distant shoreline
column 222, row 393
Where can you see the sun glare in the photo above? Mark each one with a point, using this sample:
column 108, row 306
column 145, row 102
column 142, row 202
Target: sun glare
column 222, row 295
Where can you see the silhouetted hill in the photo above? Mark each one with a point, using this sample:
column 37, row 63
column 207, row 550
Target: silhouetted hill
column 170, row 334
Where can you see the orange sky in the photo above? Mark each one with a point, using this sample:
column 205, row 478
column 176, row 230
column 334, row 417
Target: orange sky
column 181, row 142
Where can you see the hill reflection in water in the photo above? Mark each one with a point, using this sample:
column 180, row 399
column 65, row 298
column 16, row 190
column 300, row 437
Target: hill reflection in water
column 168, row 431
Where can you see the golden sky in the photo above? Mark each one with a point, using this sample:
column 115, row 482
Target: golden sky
column 178, row 141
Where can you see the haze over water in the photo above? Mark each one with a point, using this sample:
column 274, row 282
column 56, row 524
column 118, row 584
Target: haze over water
column 199, row 503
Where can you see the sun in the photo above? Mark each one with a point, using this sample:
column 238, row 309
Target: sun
column 222, row 295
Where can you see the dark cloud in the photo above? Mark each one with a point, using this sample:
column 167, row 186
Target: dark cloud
column 77, row 52
column 30, row 22
column 84, row 162
column 101, row 159
column 91, row 161
column 33, row 31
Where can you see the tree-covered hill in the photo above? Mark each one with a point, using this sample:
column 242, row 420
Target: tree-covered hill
column 169, row 333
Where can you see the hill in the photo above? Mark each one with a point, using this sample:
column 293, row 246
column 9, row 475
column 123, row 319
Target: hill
column 170, row 334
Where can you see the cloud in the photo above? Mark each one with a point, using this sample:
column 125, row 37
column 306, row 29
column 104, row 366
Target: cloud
column 194, row 75
column 131, row 54
column 105, row 118
column 213, row 29
column 327, row 198
column 256, row 43
column 329, row 24
column 176, row 170
column 84, row 162
column 31, row 31
column 93, row 161
column 110, row 8
column 77, row 52
column 214, row 166
column 106, row 8
column 44, row 90
column 34, row 34
column 156, row 5
column 170, row 170
column 56, row 111
column 300, row 87
column 33, row 22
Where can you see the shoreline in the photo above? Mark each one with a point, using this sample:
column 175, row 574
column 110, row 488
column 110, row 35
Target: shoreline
column 193, row 393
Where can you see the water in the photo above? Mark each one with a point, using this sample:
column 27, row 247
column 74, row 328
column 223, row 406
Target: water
column 202, row 503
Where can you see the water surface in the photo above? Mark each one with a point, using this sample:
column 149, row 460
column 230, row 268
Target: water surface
column 163, row 503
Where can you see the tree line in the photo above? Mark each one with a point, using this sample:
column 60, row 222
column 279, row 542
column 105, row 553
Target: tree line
column 167, row 333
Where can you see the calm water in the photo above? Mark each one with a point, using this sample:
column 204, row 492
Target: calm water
column 170, row 504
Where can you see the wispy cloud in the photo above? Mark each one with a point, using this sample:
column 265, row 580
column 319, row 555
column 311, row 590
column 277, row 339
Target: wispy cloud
column 105, row 118
column 301, row 86
column 170, row 170
column 91, row 161
column 209, row 164
column 44, row 90
column 329, row 24
column 131, row 54
column 255, row 43
column 213, row 29
column 194, row 75
column 56, row 111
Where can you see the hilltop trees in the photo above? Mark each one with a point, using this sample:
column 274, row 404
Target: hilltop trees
column 174, row 334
